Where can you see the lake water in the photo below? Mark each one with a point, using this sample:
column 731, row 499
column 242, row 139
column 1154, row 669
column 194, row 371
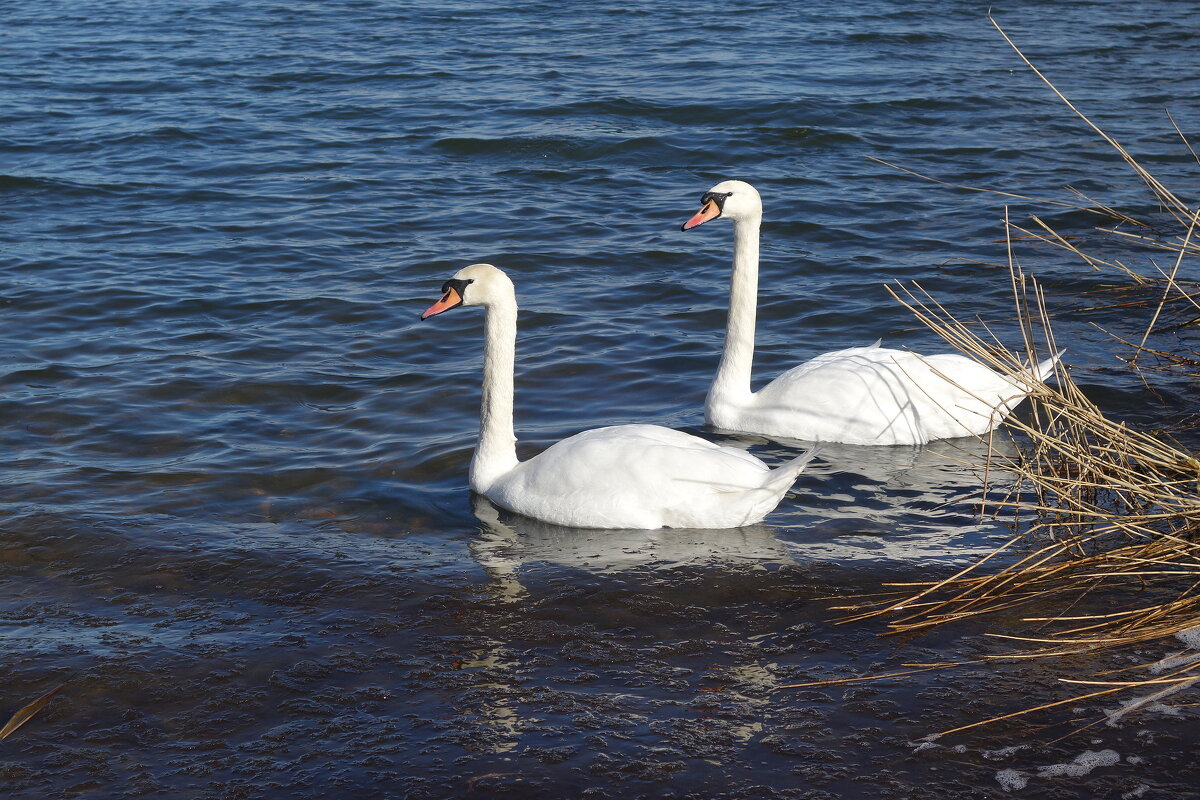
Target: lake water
column 233, row 510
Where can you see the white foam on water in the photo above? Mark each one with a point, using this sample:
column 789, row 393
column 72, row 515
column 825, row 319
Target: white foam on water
column 1190, row 637
column 1011, row 779
column 1084, row 763
column 1151, row 702
column 1003, row 752
column 1174, row 662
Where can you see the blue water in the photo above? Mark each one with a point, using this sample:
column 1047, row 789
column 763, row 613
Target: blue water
column 234, row 510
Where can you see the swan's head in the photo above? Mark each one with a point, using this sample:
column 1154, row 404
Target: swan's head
column 476, row 285
column 733, row 200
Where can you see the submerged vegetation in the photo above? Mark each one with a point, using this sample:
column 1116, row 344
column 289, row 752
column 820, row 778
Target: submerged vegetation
column 1109, row 515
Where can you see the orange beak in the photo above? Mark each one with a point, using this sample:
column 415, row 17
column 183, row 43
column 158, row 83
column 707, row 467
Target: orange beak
column 710, row 210
column 449, row 300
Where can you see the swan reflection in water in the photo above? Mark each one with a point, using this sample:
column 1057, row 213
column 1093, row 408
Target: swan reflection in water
column 897, row 504
column 508, row 541
column 919, row 505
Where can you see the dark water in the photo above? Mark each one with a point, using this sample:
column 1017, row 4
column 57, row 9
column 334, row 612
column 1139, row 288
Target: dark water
column 234, row 509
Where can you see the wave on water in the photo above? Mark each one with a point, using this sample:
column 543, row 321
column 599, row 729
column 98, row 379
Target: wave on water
column 234, row 514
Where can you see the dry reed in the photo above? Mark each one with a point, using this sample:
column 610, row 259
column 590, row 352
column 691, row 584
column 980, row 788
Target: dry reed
column 1109, row 516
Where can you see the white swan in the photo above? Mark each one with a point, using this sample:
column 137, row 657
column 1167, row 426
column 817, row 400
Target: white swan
column 625, row 476
column 861, row 395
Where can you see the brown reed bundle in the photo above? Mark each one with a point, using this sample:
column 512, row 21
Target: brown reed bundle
column 1115, row 522
column 1111, row 515
column 1112, row 519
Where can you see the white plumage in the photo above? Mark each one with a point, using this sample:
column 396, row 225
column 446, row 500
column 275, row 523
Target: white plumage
column 878, row 396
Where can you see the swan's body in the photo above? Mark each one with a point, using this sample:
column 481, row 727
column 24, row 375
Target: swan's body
column 642, row 476
column 876, row 395
column 625, row 476
column 863, row 395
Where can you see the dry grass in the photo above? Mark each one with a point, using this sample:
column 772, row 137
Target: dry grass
column 1110, row 536
column 1109, row 516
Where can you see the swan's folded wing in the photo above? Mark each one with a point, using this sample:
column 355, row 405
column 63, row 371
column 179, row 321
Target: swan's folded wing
column 857, row 395
column 634, row 476
column 874, row 395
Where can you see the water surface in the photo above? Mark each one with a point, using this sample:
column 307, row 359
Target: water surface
column 234, row 510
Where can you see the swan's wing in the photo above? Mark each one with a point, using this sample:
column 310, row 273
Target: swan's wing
column 967, row 376
column 634, row 459
column 970, row 394
column 843, row 384
column 880, row 395
column 852, row 359
column 633, row 476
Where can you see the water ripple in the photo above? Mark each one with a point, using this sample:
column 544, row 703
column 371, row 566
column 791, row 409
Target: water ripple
column 235, row 510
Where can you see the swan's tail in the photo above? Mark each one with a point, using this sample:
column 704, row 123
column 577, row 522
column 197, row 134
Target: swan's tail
column 786, row 473
column 1046, row 368
column 1019, row 381
column 1042, row 371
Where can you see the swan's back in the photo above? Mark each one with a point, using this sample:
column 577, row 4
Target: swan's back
column 877, row 395
column 640, row 476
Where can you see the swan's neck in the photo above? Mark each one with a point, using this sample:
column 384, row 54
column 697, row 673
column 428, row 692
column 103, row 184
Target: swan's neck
column 496, row 451
column 732, row 383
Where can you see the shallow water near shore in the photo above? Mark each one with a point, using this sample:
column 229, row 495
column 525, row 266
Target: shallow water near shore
column 234, row 519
